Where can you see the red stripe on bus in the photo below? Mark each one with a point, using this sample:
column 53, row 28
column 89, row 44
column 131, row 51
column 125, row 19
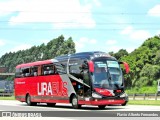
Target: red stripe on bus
column 34, row 63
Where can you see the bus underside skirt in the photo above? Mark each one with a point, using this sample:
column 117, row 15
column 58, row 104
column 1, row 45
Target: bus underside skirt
column 50, row 99
column 21, row 98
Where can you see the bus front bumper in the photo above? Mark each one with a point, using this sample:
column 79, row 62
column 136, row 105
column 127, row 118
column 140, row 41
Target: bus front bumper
column 103, row 101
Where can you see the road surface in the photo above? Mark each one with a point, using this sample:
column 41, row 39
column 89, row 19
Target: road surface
column 62, row 110
column 13, row 105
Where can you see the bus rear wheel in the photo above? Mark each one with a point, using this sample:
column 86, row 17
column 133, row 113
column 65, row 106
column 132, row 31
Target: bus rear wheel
column 28, row 101
column 75, row 104
column 102, row 106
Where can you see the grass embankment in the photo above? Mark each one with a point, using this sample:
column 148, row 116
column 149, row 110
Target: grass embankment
column 1, row 90
column 7, row 98
column 144, row 102
column 142, row 90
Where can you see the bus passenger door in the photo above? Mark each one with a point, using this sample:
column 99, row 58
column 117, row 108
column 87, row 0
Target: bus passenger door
column 86, row 81
column 75, row 70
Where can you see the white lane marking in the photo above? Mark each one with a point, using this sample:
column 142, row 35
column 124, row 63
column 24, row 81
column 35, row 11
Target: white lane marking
column 41, row 106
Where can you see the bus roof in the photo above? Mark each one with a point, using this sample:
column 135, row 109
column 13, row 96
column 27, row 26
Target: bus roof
column 36, row 63
column 88, row 55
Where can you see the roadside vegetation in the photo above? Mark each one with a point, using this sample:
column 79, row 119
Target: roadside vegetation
column 144, row 102
column 7, row 98
column 144, row 65
column 142, row 90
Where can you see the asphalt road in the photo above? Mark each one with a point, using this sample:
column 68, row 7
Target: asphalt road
column 13, row 105
column 66, row 110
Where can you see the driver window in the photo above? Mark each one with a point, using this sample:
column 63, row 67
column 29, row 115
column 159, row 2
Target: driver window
column 99, row 74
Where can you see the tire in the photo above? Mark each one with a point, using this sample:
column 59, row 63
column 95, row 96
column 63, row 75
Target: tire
column 75, row 102
column 102, row 106
column 28, row 101
column 124, row 104
column 51, row 104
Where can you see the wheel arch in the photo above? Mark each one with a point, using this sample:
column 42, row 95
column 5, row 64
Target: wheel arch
column 71, row 96
column 26, row 96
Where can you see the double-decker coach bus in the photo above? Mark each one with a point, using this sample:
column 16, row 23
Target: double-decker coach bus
column 86, row 78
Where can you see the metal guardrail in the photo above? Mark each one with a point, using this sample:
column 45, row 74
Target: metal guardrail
column 7, row 73
column 4, row 94
column 145, row 96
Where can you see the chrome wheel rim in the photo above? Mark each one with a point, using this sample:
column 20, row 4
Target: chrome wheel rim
column 74, row 101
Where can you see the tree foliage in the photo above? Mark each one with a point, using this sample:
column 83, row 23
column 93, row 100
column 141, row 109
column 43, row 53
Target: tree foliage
column 144, row 63
column 56, row 47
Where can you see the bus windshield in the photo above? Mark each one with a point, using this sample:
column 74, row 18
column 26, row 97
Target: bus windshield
column 107, row 74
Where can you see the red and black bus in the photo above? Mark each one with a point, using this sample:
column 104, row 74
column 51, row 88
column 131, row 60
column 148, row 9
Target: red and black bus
column 86, row 78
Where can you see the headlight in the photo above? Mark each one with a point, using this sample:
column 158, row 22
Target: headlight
column 95, row 95
column 124, row 95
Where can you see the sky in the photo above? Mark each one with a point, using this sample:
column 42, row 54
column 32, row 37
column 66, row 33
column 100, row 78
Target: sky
column 94, row 25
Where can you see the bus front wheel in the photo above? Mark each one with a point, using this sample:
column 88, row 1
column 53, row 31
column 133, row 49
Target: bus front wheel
column 124, row 104
column 75, row 104
column 51, row 104
column 102, row 106
column 28, row 101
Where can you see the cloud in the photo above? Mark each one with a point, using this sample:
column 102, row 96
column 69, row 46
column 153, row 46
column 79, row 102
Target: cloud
column 138, row 35
column 9, row 6
column 158, row 32
column 97, row 3
column 2, row 43
column 130, row 49
column 61, row 13
column 113, row 48
column 127, row 30
column 84, row 42
column 155, row 11
column 21, row 47
column 111, row 42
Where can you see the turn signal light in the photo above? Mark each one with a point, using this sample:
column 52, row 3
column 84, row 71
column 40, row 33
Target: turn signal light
column 118, row 91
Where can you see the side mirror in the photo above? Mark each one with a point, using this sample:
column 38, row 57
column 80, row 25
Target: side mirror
column 126, row 66
column 91, row 66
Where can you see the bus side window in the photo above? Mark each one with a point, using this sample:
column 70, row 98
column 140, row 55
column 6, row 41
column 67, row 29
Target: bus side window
column 39, row 72
column 59, row 68
column 75, row 67
column 25, row 72
column 18, row 73
column 48, row 69
column 34, row 71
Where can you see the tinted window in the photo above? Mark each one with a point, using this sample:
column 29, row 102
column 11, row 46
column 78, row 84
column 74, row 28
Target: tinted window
column 34, row 71
column 60, row 68
column 25, row 72
column 48, row 69
column 18, row 73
